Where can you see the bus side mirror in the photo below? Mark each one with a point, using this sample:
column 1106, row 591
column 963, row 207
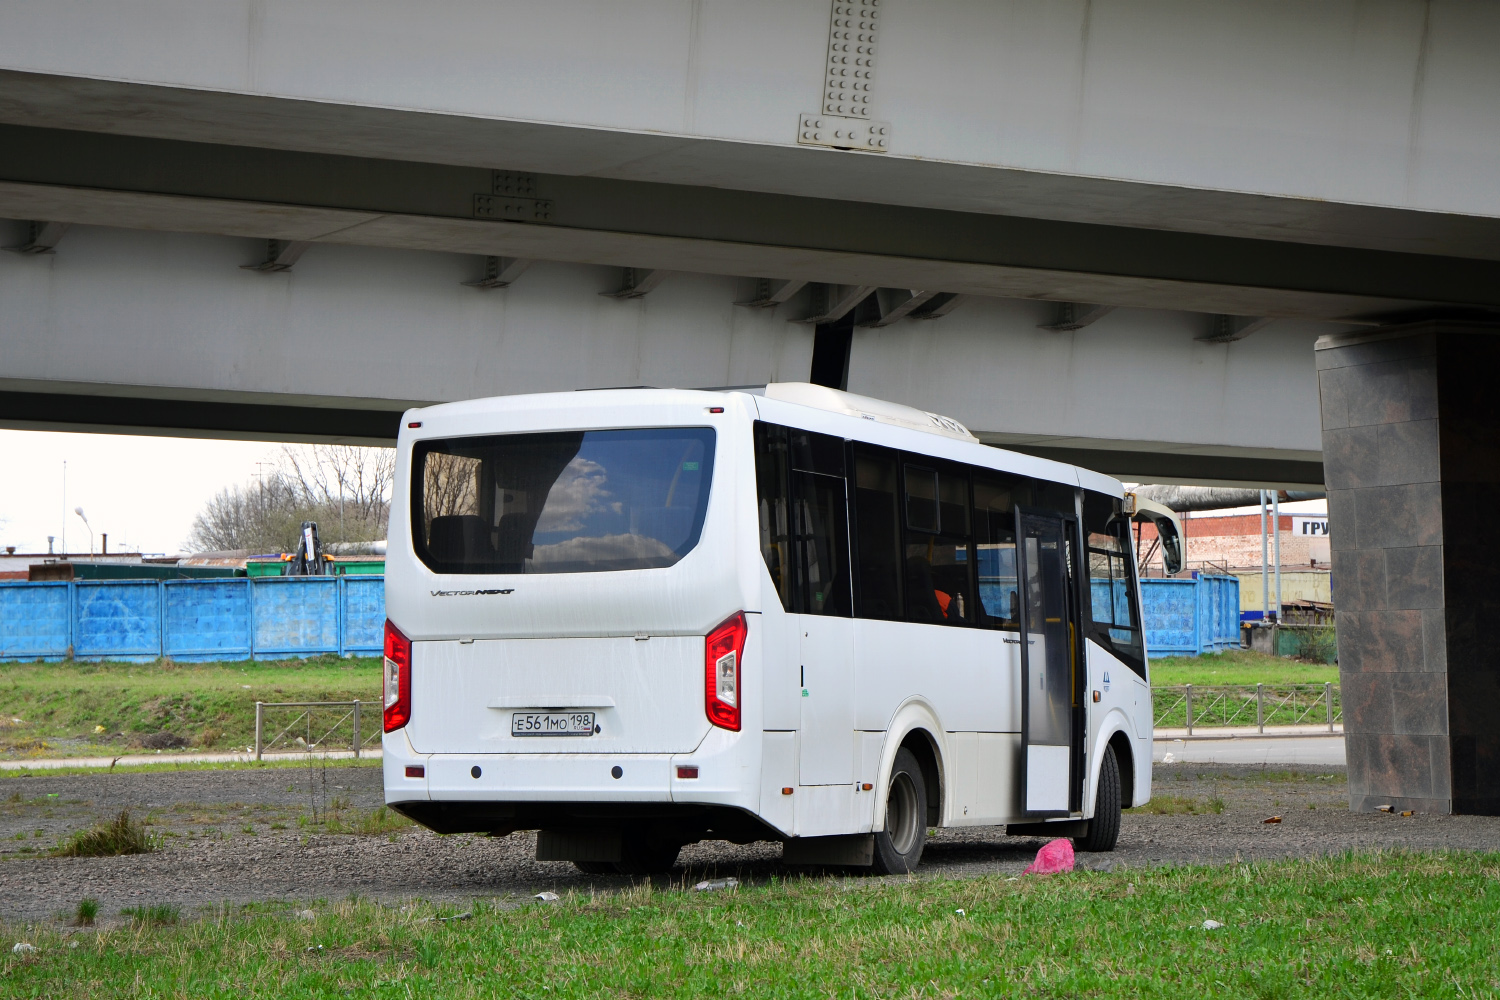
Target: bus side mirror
column 1171, row 546
column 1168, row 529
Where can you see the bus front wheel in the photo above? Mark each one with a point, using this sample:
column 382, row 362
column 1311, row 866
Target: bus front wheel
column 1104, row 828
column 898, row 847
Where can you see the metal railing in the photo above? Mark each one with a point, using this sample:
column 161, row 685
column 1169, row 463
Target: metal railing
column 298, row 735
column 1191, row 705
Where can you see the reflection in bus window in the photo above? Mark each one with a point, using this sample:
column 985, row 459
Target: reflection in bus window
column 878, row 542
column 572, row 502
column 821, row 529
column 804, row 522
column 1111, row 582
column 773, row 496
column 938, row 588
column 995, row 545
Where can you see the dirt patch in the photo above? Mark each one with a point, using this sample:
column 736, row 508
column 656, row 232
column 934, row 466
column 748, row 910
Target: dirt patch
column 161, row 741
column 241, row 836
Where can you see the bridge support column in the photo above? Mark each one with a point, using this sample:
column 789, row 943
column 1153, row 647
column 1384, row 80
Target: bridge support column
column 1411, row 458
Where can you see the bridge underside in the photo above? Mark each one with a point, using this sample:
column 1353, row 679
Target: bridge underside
column 129, row 330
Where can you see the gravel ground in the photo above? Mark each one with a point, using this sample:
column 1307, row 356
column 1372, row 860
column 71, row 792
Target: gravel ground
column 222, row 844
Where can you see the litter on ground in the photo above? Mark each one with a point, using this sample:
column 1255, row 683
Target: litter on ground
column 1055, row 856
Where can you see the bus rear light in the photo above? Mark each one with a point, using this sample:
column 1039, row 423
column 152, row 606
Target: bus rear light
column 724, row 649
column 687, row 771
column 397, row 678
column 416, row 770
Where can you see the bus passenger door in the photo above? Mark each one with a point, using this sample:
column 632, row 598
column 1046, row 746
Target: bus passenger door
column 1048, row 678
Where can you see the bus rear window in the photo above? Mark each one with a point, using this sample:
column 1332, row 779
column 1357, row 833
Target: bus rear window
column 572, row 502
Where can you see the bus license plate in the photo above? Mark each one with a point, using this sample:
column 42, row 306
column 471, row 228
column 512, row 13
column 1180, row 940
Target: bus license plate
column 552, row 724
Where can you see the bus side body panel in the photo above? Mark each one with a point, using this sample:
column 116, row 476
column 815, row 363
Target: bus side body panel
column 1124, row 700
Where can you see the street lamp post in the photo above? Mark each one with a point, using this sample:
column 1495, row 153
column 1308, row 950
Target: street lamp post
column 79, row 512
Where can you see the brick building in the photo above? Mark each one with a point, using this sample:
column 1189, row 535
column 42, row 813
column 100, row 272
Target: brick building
column 1230, row 544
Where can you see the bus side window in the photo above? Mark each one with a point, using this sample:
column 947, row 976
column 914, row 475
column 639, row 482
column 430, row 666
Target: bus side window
column 772, row 487
column 995, row 503
column 877, row 550
column 820, row 524
column 938, row 580
column 1112, row 579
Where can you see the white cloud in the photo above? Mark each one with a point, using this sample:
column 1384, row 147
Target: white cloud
column 578, row 492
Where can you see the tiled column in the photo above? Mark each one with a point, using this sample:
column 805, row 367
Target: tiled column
column 1411, row 458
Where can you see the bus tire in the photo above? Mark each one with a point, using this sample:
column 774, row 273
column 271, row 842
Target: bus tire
column 1104, row 828
column 898, row 845
column 595, row 867
column 641, row 854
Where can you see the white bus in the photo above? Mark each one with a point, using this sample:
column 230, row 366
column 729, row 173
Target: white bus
column 635, row 619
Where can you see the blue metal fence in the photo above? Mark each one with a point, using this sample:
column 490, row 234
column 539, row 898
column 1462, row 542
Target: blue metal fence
column 1188, row 617
column 215, row 619
column 283, row 617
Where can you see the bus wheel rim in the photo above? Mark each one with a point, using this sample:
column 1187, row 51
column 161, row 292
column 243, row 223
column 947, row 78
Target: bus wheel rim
column 901, row 813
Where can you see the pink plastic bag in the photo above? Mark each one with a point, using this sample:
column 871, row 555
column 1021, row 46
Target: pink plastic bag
column 1055, row 856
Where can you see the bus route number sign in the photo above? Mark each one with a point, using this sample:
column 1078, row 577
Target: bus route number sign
column 552, row 724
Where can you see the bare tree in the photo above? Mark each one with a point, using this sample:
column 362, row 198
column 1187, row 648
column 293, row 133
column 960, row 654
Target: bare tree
column 345, row 489
column 451, row 484
column 330, row 474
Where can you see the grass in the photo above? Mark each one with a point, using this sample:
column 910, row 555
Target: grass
column 88, row 910
column 1179, row 805
column 156, row 914
column 121, row 835
column 1353, row 926
column 368, row 823
column 1238, row 666
column 102, row 707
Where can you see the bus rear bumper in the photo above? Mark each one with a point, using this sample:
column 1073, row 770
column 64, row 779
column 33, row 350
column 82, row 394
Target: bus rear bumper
column 722, row 771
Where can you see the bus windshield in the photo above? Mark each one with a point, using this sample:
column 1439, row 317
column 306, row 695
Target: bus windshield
column 571, row 502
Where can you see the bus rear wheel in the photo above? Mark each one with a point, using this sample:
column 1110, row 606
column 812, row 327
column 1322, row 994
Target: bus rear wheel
column 898, row 847
column 1104, row 828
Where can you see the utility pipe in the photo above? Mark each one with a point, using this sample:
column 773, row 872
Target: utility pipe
column 1195, row 498
column 1265, row 568
column 1276, row 534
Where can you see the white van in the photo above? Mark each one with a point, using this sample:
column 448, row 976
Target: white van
column 634, row 619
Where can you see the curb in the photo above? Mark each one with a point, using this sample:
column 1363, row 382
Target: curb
column 53, row 763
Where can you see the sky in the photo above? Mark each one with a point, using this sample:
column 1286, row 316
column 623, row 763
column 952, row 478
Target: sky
column 145, row 491
column 142, row 491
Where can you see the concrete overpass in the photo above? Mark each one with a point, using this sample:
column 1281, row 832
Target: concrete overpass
column 1110, row 232
column 1200, row 191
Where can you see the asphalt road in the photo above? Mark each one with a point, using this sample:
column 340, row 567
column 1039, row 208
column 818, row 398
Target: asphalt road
column 1302, row 750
